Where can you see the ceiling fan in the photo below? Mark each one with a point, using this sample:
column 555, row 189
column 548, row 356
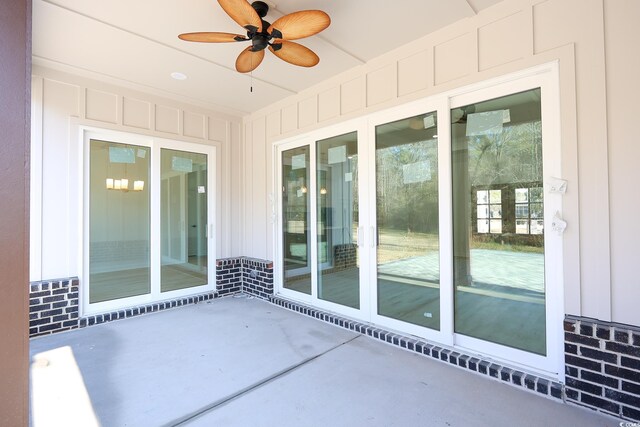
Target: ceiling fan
column 262, row 34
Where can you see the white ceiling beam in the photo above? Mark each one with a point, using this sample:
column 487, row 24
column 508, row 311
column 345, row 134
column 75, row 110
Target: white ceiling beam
column 475, row 12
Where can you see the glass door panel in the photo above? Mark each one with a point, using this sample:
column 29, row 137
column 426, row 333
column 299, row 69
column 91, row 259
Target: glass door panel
column 337, row 214
column 119, row 221
column 296, row 218
column 498, row 238
column 408, row 262
column 183, row 219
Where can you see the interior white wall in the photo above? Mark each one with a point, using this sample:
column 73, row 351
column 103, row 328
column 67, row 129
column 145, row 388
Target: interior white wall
column 135, row 226
column 593, row 41
column 61, row 103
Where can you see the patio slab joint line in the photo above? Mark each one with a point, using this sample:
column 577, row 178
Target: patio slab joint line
column 220, row 402
column 487, row 367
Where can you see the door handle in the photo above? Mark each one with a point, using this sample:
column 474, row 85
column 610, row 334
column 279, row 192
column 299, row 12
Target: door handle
column 558, row 224
column 360, row 232
column 373, row 237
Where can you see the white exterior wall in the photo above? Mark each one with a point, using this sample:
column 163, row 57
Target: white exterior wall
column 595, row 42
column 61, row 104
column 622, row 38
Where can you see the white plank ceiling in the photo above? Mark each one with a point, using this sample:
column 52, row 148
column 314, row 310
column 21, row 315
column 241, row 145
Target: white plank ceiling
column 135, row 43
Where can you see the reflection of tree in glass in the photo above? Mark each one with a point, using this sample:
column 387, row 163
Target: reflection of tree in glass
column 511, row 160
column 401, row 204
column 510, row 156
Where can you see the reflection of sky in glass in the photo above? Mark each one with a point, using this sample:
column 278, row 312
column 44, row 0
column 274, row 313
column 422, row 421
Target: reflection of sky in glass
column 522, row 194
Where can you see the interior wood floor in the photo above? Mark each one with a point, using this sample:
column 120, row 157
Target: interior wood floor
column 509, row 315
column 505, row 315
column 134, row 282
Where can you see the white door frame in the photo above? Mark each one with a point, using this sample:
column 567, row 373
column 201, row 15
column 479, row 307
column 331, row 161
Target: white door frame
column 423, row 106
column 155, row 144
column 310, row 140
column 546, row 77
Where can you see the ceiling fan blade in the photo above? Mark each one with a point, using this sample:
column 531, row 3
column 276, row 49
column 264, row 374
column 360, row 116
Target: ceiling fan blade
column 248, row 60
column 294, row 53
column 242, row 12
column 207, row 37
column 298, row 25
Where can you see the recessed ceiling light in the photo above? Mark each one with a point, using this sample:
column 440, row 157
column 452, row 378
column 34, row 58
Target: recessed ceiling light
column 178, row 76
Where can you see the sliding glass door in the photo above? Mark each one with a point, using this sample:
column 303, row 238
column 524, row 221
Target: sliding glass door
column 505, row 261
column 434, row 220
column 184, row 219
column 120, row 215
column 337, row 220
column 407, row 255
column 321, row 238
column 296, row 211
column 147, row 219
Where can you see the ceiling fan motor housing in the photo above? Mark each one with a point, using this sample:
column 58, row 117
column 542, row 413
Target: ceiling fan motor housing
column 260, row 42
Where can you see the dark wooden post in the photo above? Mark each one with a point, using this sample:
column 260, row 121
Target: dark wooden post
column 15, row 101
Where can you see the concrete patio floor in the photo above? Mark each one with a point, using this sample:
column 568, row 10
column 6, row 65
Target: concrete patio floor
column 245, row 362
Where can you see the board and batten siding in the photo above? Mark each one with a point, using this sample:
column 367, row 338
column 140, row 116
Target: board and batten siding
column 61, row 104
column 594, row 42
